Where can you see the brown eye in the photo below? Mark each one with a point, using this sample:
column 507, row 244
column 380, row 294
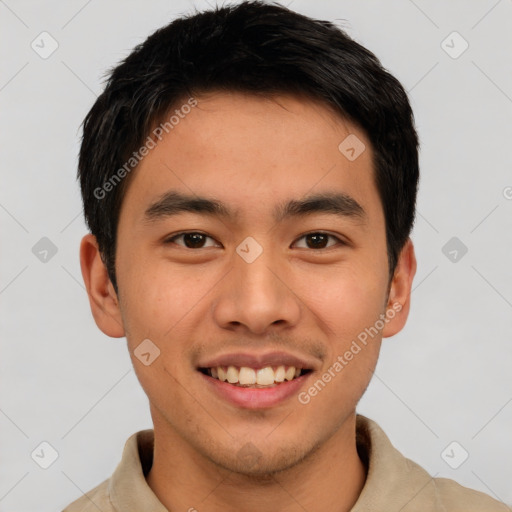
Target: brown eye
column 191, row 240
column 319, row 240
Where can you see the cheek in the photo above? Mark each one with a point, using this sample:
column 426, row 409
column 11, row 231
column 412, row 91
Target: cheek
column 350, row 308
column 347, row 302
column 158, row 305
column 158, row 297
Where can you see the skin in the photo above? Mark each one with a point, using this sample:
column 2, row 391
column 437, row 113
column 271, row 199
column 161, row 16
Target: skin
column 252, row 153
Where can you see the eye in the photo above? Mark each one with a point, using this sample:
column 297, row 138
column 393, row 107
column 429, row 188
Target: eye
column 319, row 240
column 197, row 240
column 191, row 240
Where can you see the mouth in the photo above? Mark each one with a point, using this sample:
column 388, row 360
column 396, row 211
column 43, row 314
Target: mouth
column 255, row 388
column 258, row 378
column 256, row 381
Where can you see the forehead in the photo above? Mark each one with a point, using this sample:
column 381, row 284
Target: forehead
column 252, row 153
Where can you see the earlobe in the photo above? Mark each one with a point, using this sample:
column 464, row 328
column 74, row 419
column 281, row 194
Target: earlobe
column 399, row 299
column 102, row 296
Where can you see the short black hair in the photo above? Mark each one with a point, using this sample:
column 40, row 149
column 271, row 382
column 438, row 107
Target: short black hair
column 258, row 48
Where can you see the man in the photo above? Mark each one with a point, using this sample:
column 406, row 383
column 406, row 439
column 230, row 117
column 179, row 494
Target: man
column 249, row 176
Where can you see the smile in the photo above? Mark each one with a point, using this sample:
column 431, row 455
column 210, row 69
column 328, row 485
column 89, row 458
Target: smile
column 254, row 388
column 245, row 376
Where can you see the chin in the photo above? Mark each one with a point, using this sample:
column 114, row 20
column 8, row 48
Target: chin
column 249, row 461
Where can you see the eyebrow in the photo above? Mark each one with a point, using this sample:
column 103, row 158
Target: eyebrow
column 173, row 203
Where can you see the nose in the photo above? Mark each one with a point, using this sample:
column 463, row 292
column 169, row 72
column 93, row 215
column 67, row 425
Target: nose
column 256, row 296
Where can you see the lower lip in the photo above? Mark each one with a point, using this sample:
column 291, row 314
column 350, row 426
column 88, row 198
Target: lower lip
column 256, row 398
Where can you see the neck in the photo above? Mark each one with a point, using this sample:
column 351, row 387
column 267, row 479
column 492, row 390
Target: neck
column 330, row 479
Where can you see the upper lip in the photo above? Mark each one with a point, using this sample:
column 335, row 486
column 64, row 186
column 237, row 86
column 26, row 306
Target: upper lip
column 240, row 359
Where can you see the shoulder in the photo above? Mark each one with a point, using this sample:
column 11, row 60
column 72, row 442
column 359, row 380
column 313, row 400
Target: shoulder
column 455, row 497
column 94, row 500
column 126, row 488
column 431, row 494
column 395, row 482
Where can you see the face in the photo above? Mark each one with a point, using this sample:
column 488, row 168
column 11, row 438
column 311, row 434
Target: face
column 247, row 239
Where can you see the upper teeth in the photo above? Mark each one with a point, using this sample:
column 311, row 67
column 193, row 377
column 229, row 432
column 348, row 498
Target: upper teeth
column 247, row 376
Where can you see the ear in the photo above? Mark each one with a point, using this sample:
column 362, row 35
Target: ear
column 102, row 296
column 399, row 298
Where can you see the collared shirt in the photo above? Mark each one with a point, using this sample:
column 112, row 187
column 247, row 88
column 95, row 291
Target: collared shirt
column 393, row 483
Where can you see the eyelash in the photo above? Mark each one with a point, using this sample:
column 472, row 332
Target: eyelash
column 178, row 235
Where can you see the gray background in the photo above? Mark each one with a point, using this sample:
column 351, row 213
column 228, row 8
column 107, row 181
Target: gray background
column 446, row 377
